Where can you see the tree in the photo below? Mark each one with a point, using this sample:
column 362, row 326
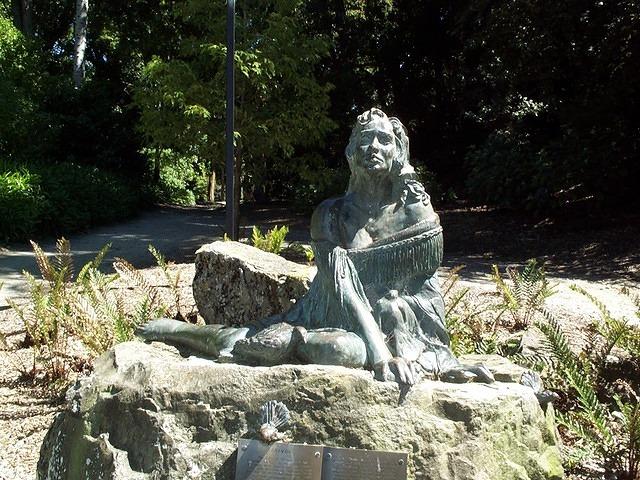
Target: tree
column 280, row 105
column 80, row 44
column 22, row 17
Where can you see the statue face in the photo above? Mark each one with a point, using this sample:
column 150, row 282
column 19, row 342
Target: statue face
column 377, row 146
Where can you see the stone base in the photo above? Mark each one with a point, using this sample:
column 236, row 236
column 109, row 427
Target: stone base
column 149, row 413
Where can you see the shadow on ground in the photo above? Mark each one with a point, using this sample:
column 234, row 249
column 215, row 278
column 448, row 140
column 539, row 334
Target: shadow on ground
column 592, row 249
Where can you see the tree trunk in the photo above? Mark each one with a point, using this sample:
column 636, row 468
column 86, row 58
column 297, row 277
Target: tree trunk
column 211, row 194
column 82, row 10
column 156, row 166
column 22, row 16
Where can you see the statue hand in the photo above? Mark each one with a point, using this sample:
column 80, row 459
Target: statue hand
column 396, row 369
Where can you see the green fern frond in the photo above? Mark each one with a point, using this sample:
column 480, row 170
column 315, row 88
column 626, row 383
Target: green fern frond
column 129, row 273
column 455, row 300
column 534, row 361
column 452, row 279
column 272, row 241
column 579, row 429
column 159, row 257
column 604, row 311
column 257, row 239
column 172, row 280
column 44, row 264
column 95, row 262
column 556, row 342
column 507, row 293
column 63, row 260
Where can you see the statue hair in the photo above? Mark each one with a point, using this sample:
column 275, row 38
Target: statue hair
column 401, row 169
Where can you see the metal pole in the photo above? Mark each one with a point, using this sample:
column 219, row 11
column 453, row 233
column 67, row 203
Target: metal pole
column 231, row 210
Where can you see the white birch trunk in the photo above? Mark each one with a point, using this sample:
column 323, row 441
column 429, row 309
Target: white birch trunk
column 82, row 10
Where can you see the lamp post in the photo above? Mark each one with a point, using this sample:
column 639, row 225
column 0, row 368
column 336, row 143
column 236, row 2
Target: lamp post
column 231, row 200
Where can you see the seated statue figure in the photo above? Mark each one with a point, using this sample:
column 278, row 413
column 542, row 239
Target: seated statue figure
column 375, row 301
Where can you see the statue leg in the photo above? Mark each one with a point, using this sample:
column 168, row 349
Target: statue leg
column 212, row 340
column 332, row 346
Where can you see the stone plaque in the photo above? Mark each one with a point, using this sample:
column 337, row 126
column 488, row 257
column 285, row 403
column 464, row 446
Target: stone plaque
column 292, row 461
column 352, row 464
column 278, row 461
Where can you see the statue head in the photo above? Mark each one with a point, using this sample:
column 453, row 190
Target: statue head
column 378, row 145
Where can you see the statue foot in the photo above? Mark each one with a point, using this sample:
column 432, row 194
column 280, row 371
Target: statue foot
column 467, row 373
column 157, row 330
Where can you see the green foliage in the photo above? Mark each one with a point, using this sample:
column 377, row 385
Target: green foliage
column 281, row 106
column 48, row 198
column 510, row 170
column 472, row 326
column 46, row 316
column 600, row 409
column 604, row 425
column 86, row 308
column 183, row 180
column 20, row 203
column 172, row 280
column 298, row 252
column 312, row 183
column 525, row 293
column 20, row 82
column 272, row 241
column 543, row 143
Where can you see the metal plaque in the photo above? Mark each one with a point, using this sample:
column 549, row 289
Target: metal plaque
column 352, row 464
column 293, row 461
column 278, row 461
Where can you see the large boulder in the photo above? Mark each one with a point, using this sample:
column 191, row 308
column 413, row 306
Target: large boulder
column 237, row 283
column 149, row 413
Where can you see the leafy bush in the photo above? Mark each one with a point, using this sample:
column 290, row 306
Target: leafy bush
column 21, row 203
column 272, row 241
column 313, row 182
column 508, row 170
column 20, row 69
column 39, row 199
column 183, row 180
column 599, row 410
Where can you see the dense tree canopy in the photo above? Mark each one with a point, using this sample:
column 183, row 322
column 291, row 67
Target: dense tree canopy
column 521, row 103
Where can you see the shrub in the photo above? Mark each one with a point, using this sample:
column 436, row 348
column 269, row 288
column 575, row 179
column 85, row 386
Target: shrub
column 183, row 180
column 40, row 199
column 21, row 203
column 510, row 171
column 602, row 412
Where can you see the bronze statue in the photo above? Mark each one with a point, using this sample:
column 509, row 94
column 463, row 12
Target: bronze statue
column 375, row 301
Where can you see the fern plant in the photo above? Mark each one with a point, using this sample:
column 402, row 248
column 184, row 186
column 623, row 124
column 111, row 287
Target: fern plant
column 172, row 280
column 600, row 427
column 470, row 329
column 272, row 241
column 46, row 316
column 523, row 293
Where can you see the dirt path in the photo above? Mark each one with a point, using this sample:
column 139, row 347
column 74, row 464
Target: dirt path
column 177, row 232
column 602, row 256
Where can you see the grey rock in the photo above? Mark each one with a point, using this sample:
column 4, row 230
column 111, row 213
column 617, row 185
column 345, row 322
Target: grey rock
column 148, row 413
column 236, row 283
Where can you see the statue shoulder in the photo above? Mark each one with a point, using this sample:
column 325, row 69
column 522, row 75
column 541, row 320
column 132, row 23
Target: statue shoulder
column 417, row 202
column 324, row 221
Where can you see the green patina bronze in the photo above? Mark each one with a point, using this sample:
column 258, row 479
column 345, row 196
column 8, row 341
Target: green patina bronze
column 375, row 301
